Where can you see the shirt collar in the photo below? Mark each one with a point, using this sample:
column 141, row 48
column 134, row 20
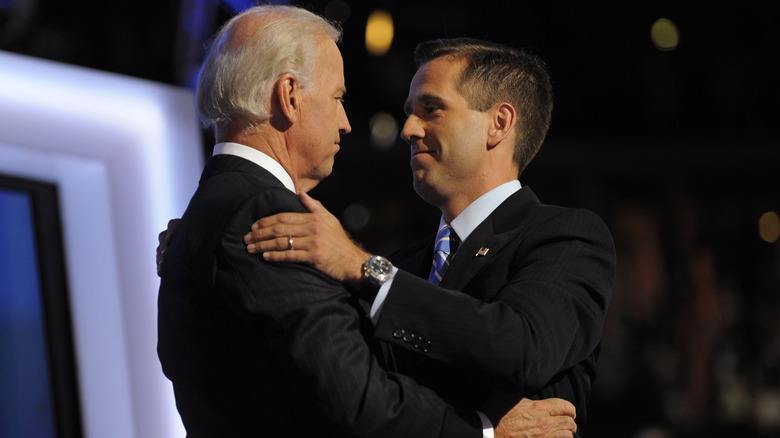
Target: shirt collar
column 481, row 208
column 257, row 157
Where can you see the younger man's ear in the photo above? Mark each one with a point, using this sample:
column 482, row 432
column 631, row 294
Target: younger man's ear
column 503, row 118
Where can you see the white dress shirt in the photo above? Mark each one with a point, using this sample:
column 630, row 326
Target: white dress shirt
column 258, row 158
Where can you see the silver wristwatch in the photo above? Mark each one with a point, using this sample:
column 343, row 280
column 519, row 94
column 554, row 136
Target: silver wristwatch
column 377, row 270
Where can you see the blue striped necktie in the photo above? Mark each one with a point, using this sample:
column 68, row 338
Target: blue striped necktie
column 446, row 243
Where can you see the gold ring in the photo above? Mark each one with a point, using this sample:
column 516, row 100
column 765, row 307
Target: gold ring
column 289, row 243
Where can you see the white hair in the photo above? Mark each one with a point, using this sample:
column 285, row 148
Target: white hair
column 237, row 79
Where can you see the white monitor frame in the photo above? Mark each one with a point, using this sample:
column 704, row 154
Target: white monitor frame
column 126, row 155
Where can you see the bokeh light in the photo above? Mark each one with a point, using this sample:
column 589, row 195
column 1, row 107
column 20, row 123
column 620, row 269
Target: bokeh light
column 769, row 227
column 664, row 35
column 379, row 32
column 384, row 130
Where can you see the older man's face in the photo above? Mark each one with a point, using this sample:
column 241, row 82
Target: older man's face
column 323, row 118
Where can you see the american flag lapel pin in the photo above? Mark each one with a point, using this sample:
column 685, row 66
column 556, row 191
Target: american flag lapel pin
column 483, row 252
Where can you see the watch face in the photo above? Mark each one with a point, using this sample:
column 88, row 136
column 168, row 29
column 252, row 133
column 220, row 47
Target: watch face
column 380, row 266
column 378, row 269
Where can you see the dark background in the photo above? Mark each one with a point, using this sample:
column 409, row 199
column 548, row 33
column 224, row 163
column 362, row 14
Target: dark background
column 678, row 151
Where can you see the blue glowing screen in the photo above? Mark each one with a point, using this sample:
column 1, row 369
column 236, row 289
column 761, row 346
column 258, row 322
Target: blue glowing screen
column 25, row 390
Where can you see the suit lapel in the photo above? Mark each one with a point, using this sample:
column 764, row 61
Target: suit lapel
column 493, row 234
column 466, row 263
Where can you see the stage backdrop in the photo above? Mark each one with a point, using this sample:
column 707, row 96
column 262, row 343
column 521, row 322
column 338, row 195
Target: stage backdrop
column 124, row 155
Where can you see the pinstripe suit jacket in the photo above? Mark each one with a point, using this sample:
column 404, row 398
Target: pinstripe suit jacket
column 524, row 318
column 259, row 349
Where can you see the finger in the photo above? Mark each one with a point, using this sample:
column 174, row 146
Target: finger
column 283, row 218
column 161, row 249
column 275, row 244
column 560, row 407
column 566, row 424
column 317, row 209
column 287, row 256
column 559, row 427
column 311, row 204
column 275, row 231
column 271, row 232
column 172, row 224
column 260, row 235
column 267, row 221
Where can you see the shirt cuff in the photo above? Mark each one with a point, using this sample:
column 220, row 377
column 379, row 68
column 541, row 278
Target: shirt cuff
column 379, row 300
column 487, row 426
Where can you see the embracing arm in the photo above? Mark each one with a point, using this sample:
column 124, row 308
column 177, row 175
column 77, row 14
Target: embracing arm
column 314, row 333
column 327, row 359
column 541, row 306
column 536, row 307
column 318, row 239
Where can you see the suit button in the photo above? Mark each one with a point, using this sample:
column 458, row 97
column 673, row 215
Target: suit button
column 417, row 343
column 409, row 337
column 426, row 346
column 399, row 333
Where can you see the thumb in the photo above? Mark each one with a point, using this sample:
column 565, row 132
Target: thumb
column 311, row 204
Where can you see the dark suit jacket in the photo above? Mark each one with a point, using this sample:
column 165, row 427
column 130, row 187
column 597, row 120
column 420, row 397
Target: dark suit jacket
column 524, row 319
column 259, row 349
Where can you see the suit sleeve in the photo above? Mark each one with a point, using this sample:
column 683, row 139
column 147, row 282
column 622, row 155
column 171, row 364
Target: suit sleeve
column 542, row 306
column 311, row 327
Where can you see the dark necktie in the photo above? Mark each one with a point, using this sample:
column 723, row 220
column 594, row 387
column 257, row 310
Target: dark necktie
column 446, row 244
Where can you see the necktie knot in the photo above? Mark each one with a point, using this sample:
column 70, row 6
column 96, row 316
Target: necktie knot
column 446, row 243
